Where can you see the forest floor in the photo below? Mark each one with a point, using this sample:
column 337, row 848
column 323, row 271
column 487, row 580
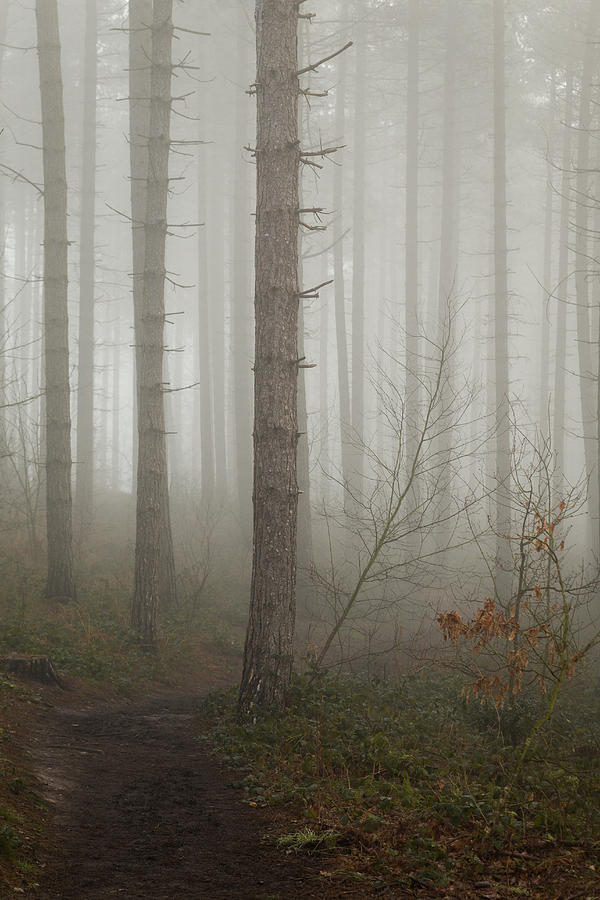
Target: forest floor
column 126, row 801
column 134, row 807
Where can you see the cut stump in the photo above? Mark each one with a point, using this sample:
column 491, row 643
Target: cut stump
column 38, row 668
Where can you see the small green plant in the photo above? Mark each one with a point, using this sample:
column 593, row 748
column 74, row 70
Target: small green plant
column 9, row 842
column 307, row 840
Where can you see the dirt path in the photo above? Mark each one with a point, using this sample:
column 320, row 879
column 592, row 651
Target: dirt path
column 142, row 812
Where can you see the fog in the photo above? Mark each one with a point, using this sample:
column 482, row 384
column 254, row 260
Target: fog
column 448, row 353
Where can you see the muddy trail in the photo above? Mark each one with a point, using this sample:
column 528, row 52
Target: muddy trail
column 141, row 811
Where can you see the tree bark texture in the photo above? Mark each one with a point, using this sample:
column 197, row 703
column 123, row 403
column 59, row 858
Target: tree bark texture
column 59, row 510
column 268, row 652
column 84, row 480
column 154, row 565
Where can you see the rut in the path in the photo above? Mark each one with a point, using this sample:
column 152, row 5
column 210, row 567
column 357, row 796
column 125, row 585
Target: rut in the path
column 142, row 812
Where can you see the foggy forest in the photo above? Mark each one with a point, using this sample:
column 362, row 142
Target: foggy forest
column 299, row 449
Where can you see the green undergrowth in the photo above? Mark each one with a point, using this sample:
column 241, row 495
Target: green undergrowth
column 91, row 638
column 22, row 809
column 406, row 782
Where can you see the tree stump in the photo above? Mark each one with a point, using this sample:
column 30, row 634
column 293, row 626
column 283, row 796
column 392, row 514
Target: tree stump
column 38, row 668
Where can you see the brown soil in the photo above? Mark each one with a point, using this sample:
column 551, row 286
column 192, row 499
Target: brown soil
column 141, row 811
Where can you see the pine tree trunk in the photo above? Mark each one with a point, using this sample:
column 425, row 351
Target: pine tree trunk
column 242, row 303
column 413, row 361
column 341, row 330
column 502, row 514
column 84, row 481
column 140, row 49
column 587, row 385
column 56, row 327
column 268, row 655
column 358, row 251
column 304, row 530
column 544, row 396
column 154, row 565
column 562, row 291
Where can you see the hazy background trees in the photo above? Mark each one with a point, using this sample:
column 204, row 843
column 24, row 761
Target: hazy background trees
column 464, row 177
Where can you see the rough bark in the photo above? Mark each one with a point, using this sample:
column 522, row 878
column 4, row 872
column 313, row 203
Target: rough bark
column 84, row 473
column 154, row 566
column 56, row 327
column 268, row 652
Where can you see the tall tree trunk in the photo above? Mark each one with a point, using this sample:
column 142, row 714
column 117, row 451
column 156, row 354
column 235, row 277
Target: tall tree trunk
column 304, row 530
column 448, row 260
column 341, row 331
column 358, row 250
column 56, row 326
column 562, row 290
column 544, row 396
column 268, row 654
column 587, row 379
column 450, row 200
column 84, row 481
column 413, row 360
column 502, row 513
column 217, row 289
column 241, row 301
column 205, row 369
column 116, row 406
column 140, row 44
column 154, row 565
column 3, row 258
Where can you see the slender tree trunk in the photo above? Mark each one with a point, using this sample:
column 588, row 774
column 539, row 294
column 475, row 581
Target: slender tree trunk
column 324, row 409
column 207, row 435
column 358, row 250
column 502, row 515
column 412, row 234
column 562, row 290
column 268, row 655
column 140, row 49
column 449, row 229
column 84, row 481
column 154, row 565
column 341, row 331
column 56, row 326
column 587, row 379
column 242, row 302
column 3, row 258
column 304, row 530
column 116, row 406
column 547, row 286
column 448, row 259
column 217, row 184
